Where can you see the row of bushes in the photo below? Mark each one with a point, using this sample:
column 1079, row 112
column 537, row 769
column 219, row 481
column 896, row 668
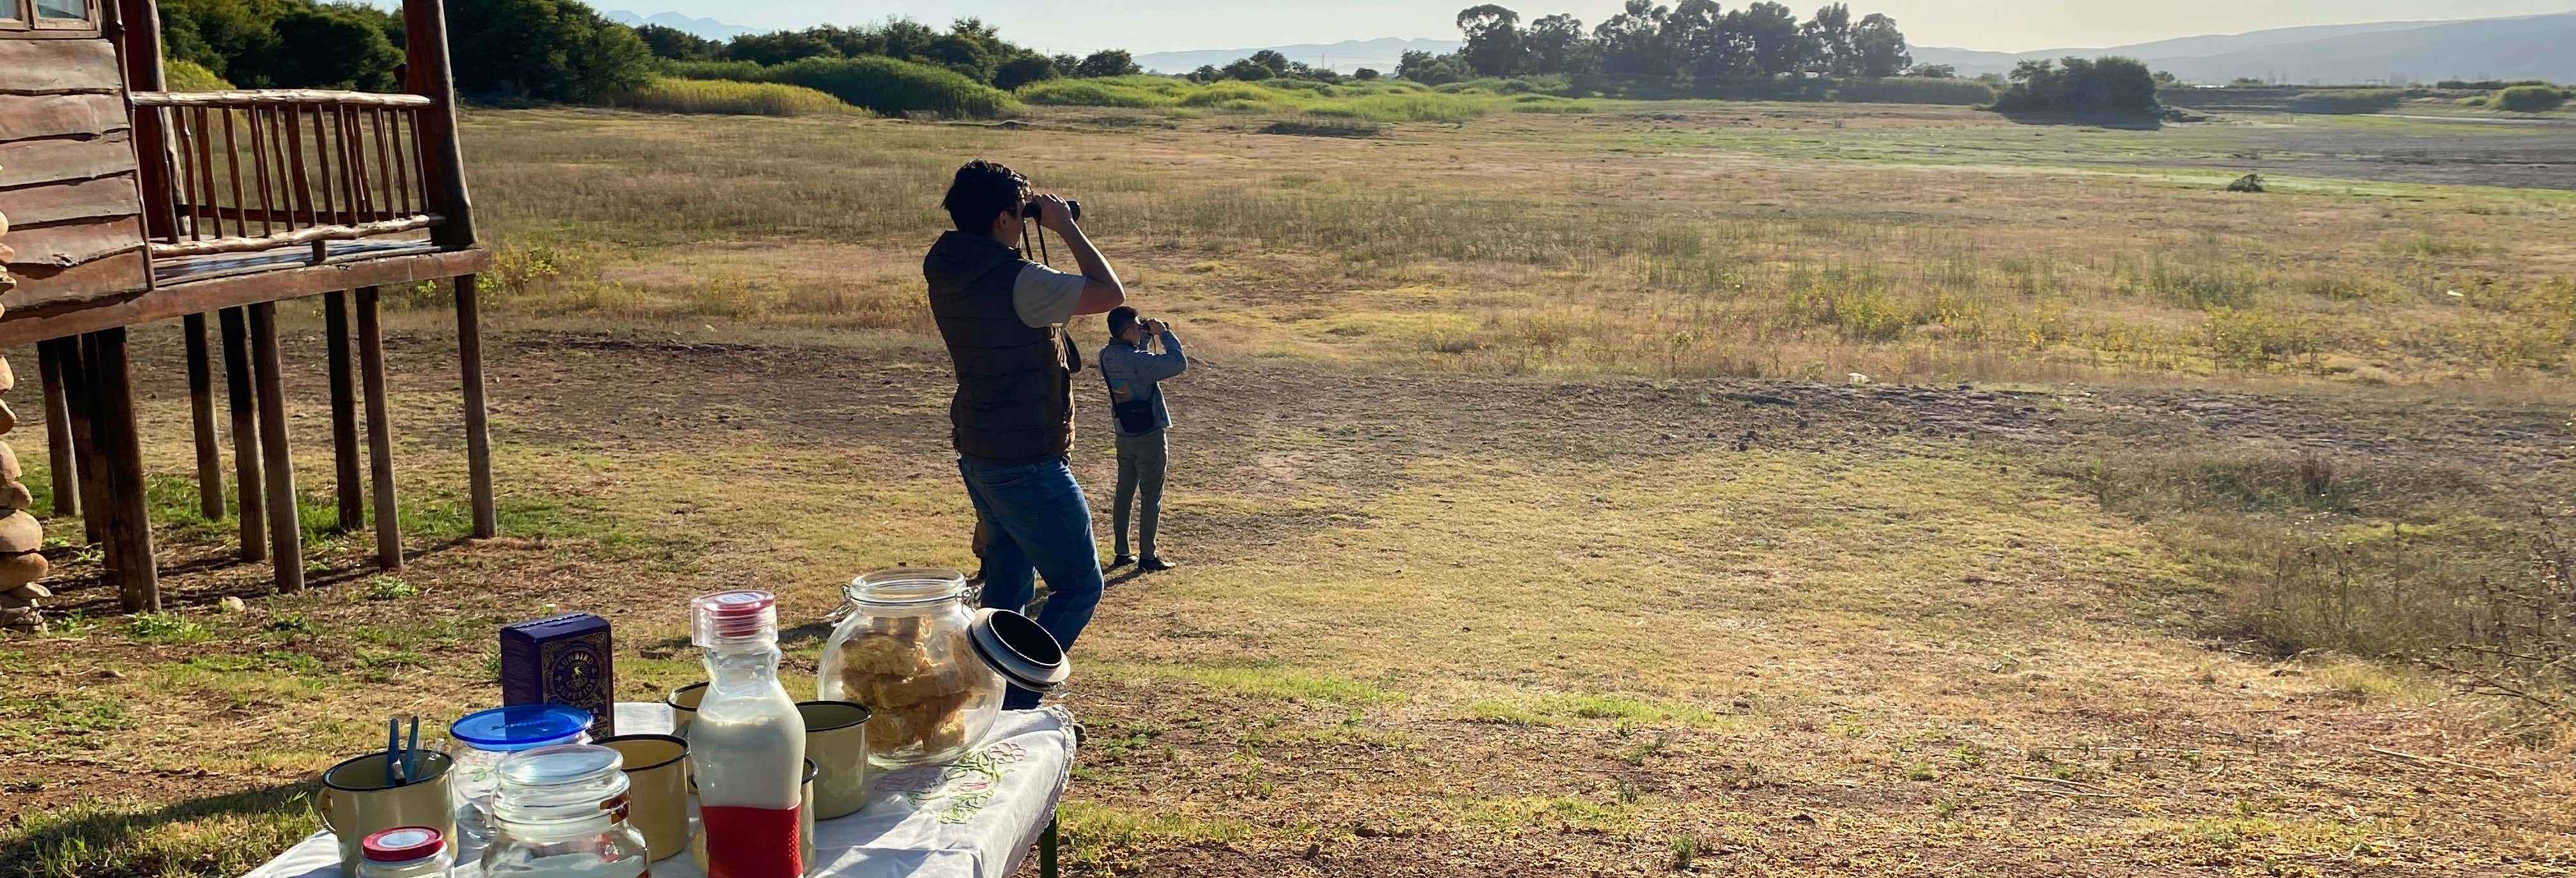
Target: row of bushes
column 2348, row 101
column 1382, row 101
column 874, row 82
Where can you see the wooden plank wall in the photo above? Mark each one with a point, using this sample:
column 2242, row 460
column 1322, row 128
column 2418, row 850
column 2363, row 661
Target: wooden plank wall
column 67, row 174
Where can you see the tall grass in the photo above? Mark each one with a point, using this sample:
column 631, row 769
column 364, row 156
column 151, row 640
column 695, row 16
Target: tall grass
column 883, row 85
column 2347, row 101
column 1379, row 101
column 726, row 97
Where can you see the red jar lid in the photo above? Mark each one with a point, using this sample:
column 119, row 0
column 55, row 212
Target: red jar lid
column 403, row 844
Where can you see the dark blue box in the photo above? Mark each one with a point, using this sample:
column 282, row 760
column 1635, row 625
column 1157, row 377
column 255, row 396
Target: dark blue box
column 562, row 660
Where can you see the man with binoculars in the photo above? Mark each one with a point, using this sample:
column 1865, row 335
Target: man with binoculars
column 1003, row 318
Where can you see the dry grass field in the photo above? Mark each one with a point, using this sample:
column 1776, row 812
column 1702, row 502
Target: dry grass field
column 1531, row 522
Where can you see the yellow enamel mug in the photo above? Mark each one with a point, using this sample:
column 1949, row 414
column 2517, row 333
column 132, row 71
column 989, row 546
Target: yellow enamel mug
column 836, row 738
column 356, row 801
column 657, row 790
column 684, row 706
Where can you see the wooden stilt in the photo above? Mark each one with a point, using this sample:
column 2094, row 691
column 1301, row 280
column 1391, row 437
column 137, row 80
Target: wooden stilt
column 285, row 526
column 344, row 414
column 59, row 458
column 81, row 391
column 380, row 429
column 240, row 399
column 129, row 523
column 201, row 417
column 478, row 437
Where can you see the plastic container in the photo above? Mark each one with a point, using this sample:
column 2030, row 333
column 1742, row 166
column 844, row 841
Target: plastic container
column 405, row 852
column 480, row 740
column 560, row 812
column 905, row 649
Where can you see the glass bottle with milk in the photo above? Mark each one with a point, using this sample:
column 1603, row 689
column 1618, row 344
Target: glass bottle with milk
column 747, row 745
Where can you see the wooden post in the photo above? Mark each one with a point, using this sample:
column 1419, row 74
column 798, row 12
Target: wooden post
column 138, row 35
column 344, row 414
column 59, row 456
column 285, row 526
column 129, row 523
column 478, row 436
column 241, row 399
column 80, row 388
column 201, row 417
column 380, row 428
column 443, row 168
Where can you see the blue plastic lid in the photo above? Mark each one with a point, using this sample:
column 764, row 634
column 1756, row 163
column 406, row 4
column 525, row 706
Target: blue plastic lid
column 520, row 726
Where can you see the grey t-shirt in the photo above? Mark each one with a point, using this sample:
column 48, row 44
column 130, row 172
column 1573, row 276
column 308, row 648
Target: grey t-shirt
column 1046, row 297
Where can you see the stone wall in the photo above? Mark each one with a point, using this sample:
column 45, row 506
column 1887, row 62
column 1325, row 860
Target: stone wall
column 20, row 536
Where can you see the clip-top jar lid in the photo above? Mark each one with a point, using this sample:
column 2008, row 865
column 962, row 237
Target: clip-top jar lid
column 1018, row 649
column 520, row 726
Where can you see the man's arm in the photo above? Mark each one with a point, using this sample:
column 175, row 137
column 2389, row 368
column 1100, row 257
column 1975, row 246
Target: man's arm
column 1168, row 364
column 1102, row 290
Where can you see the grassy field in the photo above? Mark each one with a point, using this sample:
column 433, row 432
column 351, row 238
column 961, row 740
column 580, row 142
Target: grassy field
column 1532, row 517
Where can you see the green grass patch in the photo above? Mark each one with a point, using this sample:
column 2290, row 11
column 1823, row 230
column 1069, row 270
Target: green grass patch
column 215, row 835
column 1104, row 835
column 1270, row 681
column 1564, row 709
column 165, row 629
column 78, row 721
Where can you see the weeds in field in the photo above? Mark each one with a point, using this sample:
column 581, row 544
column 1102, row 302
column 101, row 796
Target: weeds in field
column 725, row 97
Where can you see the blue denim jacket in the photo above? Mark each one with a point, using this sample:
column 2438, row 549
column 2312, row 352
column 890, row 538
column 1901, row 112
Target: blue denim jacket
column 1136, row 373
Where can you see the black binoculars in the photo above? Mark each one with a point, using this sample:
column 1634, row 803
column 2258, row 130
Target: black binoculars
column 1030, row 210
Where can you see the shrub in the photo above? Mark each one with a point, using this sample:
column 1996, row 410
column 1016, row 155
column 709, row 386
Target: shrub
column 2347, row 102
column 1229, row 95
column 191, row 76
column 2530, row 99
column 894, row 87
column 1093, row 93
column 543, row 50
column 1914, row 90
column 739, row 71
column 2080, row 85
column 1023, row 70
column 726, row 97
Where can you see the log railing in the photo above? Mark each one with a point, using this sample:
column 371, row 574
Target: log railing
column 254, row 171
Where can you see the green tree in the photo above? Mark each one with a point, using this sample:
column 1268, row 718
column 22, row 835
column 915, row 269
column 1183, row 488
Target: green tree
column 1206, row 73
column 1065, row 65
column 1776, row 43
column 1879, row 48
column 1365, row 74
column 677, row 44
column 962, row 53
column 1554, row 44
column 1933, row 71
column 1108, row 62
column 1023, row 70
column 1830, row 41
column 1493, row 46
column 212, row 33
column 542, row 49
column 1248, row 70
column 2530, row 99
column 778, row 47
column 1632, row 42
column 325, row 47
column 1428, row 69
column 2080, row 85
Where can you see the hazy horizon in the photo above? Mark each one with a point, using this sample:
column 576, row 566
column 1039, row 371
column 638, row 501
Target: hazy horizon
column 1168, row 25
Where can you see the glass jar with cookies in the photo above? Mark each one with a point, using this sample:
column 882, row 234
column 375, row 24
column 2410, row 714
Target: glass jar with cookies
column 905, row 650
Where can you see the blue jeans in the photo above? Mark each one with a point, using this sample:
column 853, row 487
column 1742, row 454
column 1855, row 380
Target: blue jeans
column 1036, row 521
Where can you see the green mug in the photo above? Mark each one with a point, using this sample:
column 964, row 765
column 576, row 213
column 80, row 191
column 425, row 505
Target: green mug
column 356, row 801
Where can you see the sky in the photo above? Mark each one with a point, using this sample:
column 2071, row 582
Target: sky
column 1173, row 25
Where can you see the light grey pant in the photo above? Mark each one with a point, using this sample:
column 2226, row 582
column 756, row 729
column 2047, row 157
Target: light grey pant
column 1140, row 465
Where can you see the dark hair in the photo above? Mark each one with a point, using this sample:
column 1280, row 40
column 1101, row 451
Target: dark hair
column 982, row 191
column 1121, row 319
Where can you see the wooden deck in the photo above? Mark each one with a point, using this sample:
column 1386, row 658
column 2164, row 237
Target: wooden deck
column 188, row 269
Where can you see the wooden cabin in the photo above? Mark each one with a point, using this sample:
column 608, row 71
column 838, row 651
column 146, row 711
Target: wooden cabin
column 127, row 204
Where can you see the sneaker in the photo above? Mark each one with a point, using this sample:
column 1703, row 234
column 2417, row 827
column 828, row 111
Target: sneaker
column 1123, row 560
column 1155, row 565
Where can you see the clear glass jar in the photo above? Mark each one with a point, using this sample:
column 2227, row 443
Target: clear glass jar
column 405, row 852
column 479, row 741
column 561, row 813
column 905, row 652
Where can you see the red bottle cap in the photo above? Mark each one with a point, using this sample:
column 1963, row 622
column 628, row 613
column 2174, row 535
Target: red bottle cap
column 403, row 844
column 735, row 617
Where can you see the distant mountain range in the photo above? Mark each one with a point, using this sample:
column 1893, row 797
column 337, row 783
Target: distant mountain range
column 704, row 27
column 2528, row 47
column 1345, row 56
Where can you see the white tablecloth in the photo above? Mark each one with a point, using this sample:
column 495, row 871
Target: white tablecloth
column 974, row 817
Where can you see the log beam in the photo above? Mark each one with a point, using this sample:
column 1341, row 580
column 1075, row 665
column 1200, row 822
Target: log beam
column 347, row 481
column 285, row 526
column 242, row 400
column 380, row 429
column 201, row 420
column 478, row 434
